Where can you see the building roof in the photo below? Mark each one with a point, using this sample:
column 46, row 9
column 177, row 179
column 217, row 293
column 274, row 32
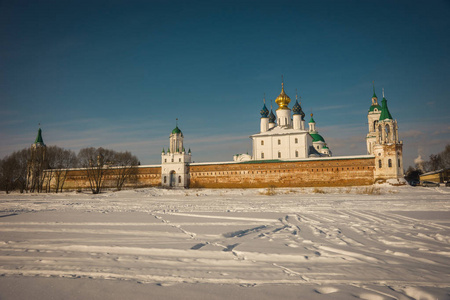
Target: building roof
column 385, row 114
column 39, row 139
column 283, row 100
column 264, row 112
column 317, row 137
column 176, row 130
column 272, row 117
column 372, row 107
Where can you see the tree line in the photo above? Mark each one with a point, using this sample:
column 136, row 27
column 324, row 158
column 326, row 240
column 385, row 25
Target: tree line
column 33, row 170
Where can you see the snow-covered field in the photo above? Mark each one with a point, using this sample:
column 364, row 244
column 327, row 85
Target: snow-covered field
column 329, row 243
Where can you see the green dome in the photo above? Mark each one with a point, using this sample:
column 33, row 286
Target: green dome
column 317, row 137
column 176, row 130
column 372, row 108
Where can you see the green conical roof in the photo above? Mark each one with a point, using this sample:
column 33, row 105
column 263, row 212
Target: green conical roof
column 312, row 119
column 385, row 114
column 39, row 139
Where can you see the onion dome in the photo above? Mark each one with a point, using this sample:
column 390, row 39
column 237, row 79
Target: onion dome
column 296, row 109
column 385, row 114
column 283, row 100
column 264, row 112
column 312, row 120
column 177, row 130
column 272, row 117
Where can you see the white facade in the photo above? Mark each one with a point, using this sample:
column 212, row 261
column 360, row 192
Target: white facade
column 285, row 137
column 175, row 163
column 383, row 141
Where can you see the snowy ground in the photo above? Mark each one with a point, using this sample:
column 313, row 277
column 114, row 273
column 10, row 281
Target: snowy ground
column 328, row 243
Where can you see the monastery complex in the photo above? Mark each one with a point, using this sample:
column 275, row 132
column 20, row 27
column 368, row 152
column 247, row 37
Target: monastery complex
column 285, row 153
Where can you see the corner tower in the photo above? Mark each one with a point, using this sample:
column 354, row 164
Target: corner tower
column 388, row 150
column 36, row 164
column 175, row 163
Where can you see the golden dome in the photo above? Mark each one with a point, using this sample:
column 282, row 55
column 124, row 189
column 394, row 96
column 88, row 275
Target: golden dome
column 282, row 100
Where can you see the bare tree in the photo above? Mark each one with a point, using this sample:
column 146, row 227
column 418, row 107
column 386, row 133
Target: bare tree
column 59, row 161
column 96, row 163
column 14, row 171
column 36, row 165
column 125, row 168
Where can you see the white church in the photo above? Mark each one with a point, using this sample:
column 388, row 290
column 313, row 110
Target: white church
column 285, row 137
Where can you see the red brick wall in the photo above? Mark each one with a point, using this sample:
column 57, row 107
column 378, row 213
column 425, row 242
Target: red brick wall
column 336, row 172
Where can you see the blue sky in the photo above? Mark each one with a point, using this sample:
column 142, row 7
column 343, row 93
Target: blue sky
column 117, row 74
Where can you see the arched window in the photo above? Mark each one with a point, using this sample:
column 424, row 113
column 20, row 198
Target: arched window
column 279, row 142
column 179, row 160
column 262, row 143
column 172, row 159
column 262, row 154
column 379, row 163
column 165, row 179
column 179, row 179
column 279, row 154
column 296, row 153
column 285, row 121
column 399, row 162
column 390, row 163
column 296, row 140
column 165, row 159
column 387, row 129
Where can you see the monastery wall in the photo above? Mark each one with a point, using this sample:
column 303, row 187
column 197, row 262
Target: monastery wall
column 146, row 176
column 258, row 174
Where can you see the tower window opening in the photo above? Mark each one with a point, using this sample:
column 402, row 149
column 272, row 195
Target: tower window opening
column 296, row 140
column 279, row 142
column 165, row 179
column 179, row 179
column 379, row 163
column 296, row 153
column 279, row 154
column 262, row 154
column 390, row 163
column 262, row 143
column 172, row 159
column 399, row 162
column 179, row 160
column 165, row 160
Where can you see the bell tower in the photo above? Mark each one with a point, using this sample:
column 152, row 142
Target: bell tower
column 387, row 148
column 373, row 117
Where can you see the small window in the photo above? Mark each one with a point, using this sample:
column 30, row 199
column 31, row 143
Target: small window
column 179, row 179
column 390, row 163
column 165, row 159
column 179, row 160
column 165, row 179
column 379, row 163
column 279, row 154
column 262, row 143
column 262, row 154
column 399, row 162
column 279, row 142
column 296, row 140
column 296, row 153
column 172, row 159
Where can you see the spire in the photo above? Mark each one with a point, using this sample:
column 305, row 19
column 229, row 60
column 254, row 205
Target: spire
column 39, row 139
column 385, row 114
column 374, row 95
